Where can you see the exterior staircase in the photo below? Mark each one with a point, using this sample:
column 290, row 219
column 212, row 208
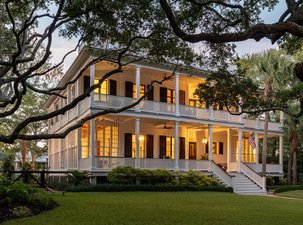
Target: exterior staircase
column 245, row 186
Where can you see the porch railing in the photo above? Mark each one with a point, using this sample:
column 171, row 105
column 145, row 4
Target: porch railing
column 193, row 164
column 270, row 168
column 261, row 181
column 221, row 174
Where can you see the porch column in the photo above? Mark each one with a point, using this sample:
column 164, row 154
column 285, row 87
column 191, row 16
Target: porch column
column 281, row 152
column 228, row 147
column 257, row 149
column 77, row 93
column 92, row 142
column 92, row 79
column 282, row 118
column 240, row 148
column 177, row 94
column 211, row 109
column 210, row 142
column 138, row 70
column 137, row 134
column 79, row 147
column 176, row 145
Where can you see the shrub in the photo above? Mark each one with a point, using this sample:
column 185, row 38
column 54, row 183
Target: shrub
column 77, row 177
column 284, row 188
column 19, row 192
column 147, row 187
column 21, row 211
column 43, row 200
column 122, row 175
column 196, row 178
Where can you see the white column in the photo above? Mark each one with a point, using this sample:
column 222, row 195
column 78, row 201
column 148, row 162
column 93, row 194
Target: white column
column 77, row 93
column 177, row 94
column 176, row 145
column 92, row 79
column 281, row 152
column 228, row 147
column 239, row 148
column 79, row 147
column 210, row 142
column 137, row 87
column 282, row 118
column 258, row 123
column 257, row 149
column 92, row 142
column 211, row 109
column 137, row 133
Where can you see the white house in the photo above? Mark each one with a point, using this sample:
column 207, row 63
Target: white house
column 168, row 130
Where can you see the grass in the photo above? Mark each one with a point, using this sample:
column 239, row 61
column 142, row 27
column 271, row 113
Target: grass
column 292, row 194
column 178, row 208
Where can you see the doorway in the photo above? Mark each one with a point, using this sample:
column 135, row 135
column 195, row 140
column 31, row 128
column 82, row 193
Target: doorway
column 193, row 150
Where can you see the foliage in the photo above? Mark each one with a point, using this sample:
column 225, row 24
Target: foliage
column 145, row 187
column 21, row 211
column 77, row 177
column 285, row 188
column 131, row 176
column 43, row 200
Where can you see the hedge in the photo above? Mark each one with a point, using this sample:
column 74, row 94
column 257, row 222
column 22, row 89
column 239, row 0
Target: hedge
column 285, row 188
column 147, row 187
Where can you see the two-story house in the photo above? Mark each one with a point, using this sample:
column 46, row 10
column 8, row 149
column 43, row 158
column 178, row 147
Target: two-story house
column 169, row 129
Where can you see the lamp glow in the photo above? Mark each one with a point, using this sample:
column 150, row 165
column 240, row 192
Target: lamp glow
column 204, row 140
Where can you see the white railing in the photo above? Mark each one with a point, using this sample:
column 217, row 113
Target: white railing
column 64, row 119
column 149, row 163
column 194, row 112
column 72, row 113
column 72, row 158
column 225, row 116
column 250, row 123
column 270, row 168
column 85, row 164
column 261, row 181
column 221, row 174
column 157, row 107
column 193, row 164
column 83, row 106
column 232, row 167
column 111, row 101
column 273, row 126
column 107, row 162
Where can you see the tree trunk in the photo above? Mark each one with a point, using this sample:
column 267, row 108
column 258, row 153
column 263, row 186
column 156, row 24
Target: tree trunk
column 294, row 169
column 23, row 151
column 274, row 150
column 289, row 168
column 264, row 144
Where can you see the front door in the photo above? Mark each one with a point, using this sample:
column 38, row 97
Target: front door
column 192, row 150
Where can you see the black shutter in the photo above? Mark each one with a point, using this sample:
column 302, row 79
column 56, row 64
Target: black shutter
column 221, row 148
column 86, row 82
column 182, row 97
column 149, row 146
column 182, row 147
column 112, row 87
column 150, row 95
column 206, row 148
column 128, row 145
column 162, row 147
column 163, row 94
column 128, row 89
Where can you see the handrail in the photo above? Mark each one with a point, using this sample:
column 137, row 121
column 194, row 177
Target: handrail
column 221, row 173
column 253, row 175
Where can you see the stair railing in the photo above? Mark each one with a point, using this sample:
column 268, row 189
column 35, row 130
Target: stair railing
column 221, row 173
column 253, row 175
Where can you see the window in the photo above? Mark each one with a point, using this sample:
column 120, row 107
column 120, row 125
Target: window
column 85, row 140
column 102, row 89
column 142, row 90
column 248, row 153
column 170, row 147
column 141, row 144
column 107, row 140
column 57, row 108
column 170, row 96
column 217, row 148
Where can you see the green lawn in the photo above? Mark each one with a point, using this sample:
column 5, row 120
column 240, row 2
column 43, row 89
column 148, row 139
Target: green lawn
column 292, row 194
column 174, row 208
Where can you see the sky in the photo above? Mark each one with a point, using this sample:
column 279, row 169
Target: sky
column 61, row 45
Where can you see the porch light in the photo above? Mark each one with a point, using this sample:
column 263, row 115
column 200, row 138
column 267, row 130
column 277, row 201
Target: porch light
column 204, row 140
